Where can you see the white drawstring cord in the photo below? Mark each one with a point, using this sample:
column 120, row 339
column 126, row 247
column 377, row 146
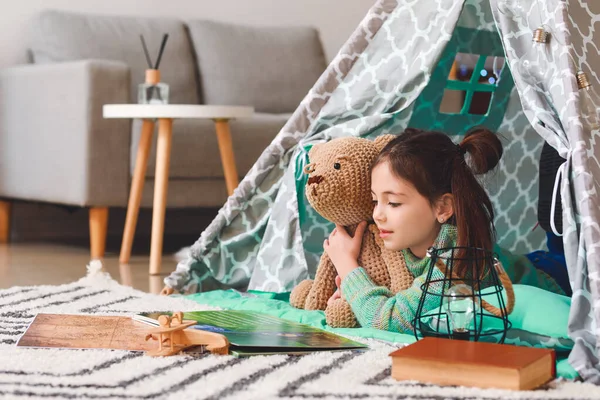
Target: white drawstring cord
column 559, row 176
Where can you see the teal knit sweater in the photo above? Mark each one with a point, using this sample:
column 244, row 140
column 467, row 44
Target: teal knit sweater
column 377, row 307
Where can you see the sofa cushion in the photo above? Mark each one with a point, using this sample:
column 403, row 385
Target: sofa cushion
column 195, row 151
column 270, row 68
column 59, row 36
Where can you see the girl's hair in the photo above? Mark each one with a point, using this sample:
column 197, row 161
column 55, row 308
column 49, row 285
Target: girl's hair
column 435, row 166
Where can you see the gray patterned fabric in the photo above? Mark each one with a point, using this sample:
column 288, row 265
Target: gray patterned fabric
column 267, row 238
column 553, row 104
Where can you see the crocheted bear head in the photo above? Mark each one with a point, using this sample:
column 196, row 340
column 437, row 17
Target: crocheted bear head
column 339, row 178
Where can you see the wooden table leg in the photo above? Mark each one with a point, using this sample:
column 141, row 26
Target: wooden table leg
column 98, row 229
column 227, row 157
column 161, row 180
column 137, row 185
column 4, row 221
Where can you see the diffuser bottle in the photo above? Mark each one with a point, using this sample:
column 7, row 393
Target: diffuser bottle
column 153, row 91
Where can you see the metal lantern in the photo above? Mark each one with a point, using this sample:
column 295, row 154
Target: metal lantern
column 463, row 296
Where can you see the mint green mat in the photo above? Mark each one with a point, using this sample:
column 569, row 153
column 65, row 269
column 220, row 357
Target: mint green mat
column 277, row 304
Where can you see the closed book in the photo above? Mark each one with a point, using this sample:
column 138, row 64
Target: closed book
column 463, row 363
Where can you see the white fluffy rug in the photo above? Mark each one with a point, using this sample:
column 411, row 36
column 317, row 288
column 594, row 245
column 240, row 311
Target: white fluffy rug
column 107, row 374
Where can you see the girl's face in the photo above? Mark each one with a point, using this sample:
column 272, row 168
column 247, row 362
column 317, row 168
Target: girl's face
column 405, row 218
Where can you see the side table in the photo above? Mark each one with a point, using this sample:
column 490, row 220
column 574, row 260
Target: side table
column 165, row 114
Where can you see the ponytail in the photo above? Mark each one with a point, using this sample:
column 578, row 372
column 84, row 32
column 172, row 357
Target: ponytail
column 472, row 206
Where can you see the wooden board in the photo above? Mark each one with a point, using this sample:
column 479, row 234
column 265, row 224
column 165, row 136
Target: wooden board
column 86, row 332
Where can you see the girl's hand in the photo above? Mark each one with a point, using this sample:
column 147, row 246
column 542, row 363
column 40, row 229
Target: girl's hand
column 343, row 249
column 338, row 292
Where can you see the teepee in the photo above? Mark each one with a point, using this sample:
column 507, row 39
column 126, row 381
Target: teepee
column 394, row 72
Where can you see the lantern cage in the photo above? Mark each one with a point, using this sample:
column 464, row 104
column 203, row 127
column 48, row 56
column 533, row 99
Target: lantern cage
column 463, row 296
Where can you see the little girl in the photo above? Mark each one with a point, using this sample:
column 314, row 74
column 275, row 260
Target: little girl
column 424, row 194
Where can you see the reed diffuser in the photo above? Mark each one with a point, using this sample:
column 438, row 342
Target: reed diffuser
column 153, row 91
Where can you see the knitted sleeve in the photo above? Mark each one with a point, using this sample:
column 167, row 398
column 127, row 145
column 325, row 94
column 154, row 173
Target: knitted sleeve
column 377, row 307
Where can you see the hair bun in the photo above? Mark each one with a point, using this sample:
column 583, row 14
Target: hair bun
column 484, row 148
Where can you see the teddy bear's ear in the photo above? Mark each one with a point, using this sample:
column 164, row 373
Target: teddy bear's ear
column 314, row 149
column 381, row 141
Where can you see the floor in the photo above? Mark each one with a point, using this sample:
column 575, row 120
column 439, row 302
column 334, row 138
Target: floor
column 49, row 245
column 24, row 264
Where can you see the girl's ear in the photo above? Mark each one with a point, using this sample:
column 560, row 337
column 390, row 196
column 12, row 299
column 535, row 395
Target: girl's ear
column 444, row 208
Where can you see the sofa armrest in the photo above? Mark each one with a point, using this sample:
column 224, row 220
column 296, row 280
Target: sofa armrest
column 55, row 146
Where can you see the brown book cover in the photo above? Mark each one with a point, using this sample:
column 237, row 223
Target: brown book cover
column 464, row 363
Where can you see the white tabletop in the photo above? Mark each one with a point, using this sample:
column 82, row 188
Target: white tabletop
column 175, row 111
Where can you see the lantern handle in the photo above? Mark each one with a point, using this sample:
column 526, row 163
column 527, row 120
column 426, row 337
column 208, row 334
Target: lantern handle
column 506, row 283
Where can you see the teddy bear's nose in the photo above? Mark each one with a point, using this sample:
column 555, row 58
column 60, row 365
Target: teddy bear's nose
column 315, row 179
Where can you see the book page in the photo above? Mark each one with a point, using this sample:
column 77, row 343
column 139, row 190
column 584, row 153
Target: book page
column 253, row 329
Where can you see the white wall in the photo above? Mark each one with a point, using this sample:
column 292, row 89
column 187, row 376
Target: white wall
column 335, row 19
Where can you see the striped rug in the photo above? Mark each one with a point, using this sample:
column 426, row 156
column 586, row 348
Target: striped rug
column 108, row 374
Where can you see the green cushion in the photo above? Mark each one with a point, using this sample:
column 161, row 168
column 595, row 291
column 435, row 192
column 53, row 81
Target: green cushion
column 539, row 319
column 540, row 311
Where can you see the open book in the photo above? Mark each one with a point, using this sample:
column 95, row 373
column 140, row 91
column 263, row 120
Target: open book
column 252, row 333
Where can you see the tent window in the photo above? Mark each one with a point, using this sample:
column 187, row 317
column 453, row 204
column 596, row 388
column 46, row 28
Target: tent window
column 471, row 84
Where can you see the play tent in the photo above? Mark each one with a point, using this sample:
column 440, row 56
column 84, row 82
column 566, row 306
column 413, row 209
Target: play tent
column 395, row 71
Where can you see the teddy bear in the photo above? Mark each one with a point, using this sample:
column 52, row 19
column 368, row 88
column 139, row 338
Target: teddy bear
column 339, row 189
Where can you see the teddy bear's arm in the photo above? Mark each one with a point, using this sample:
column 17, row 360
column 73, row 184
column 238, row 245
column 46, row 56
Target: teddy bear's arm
column 323, row 286
column 400, row 276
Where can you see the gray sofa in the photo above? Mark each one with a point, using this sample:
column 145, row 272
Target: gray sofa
column 55, row 146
